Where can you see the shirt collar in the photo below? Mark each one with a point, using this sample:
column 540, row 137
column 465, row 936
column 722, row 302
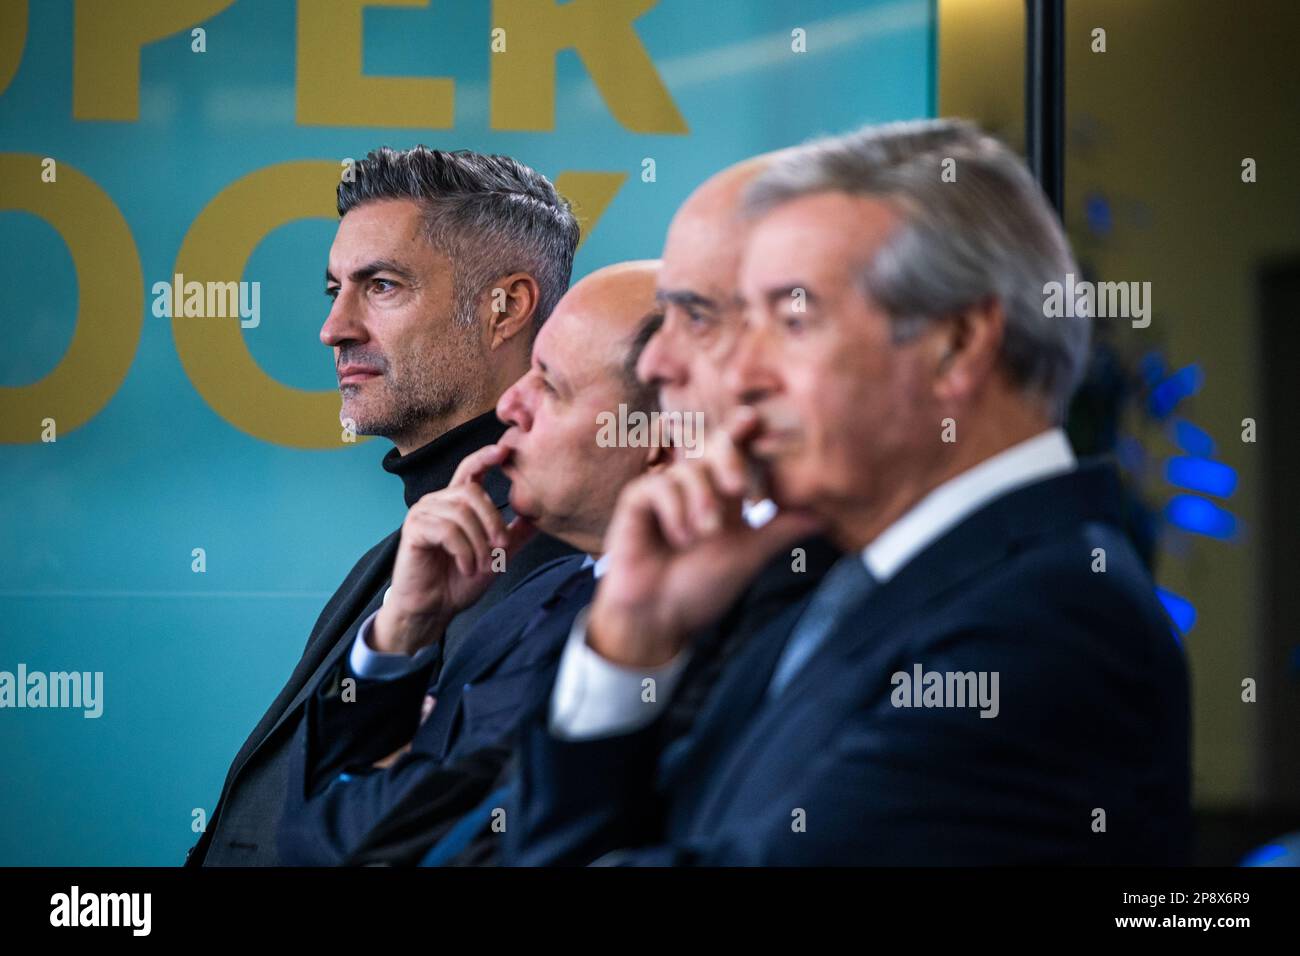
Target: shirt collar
column 598, row 565
column 1043, row 456
column 758, row 513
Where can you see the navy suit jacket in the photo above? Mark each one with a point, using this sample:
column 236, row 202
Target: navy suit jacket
column 1085, row 762
column 242, row 828
column 495, row 674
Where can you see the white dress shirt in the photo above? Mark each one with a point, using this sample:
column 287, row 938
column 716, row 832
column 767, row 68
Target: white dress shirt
column 365, row 661
column 758, row 513
column 594, row 697
column 1045, row 455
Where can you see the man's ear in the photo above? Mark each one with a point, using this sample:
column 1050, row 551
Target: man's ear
column 967, row 345
column 512, row 308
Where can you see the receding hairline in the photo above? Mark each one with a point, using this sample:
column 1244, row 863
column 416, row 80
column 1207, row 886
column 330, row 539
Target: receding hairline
column 593, row 290
column 721, row 195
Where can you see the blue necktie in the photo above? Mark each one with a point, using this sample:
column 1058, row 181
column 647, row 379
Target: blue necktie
column 846, row 584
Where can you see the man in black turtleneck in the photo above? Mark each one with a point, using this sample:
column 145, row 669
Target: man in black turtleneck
column 442, row 269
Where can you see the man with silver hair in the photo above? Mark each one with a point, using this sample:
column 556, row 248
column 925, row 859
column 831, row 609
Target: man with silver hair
column 987, row 676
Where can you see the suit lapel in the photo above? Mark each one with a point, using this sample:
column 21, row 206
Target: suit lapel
column 834, row 678
column 487, row 647
column 828, row 685
column 732, row 701
column 326, row 646
column 475, row 661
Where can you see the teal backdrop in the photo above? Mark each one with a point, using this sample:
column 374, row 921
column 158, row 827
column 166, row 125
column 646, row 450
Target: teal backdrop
column 99, row 526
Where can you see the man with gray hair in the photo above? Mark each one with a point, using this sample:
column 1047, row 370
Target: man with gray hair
column 444, row 266
column 987, row 676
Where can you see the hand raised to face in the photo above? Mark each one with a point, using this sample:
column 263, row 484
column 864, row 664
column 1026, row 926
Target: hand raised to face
column 680, row 551
column 445, row 558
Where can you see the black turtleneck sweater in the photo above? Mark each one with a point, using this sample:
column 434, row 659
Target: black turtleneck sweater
column 429, row 468
column 241, row 829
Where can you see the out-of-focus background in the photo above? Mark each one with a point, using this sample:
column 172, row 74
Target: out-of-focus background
column 1157, row 129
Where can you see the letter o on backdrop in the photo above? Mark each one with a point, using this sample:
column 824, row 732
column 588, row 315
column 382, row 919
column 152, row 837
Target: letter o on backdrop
column 213, row 353
column 110, row 298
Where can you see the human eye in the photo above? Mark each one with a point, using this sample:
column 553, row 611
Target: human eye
column 699, row 319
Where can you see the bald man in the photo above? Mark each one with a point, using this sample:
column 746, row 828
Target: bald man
column 686, row 360
column 390, row 749
column 697, row 290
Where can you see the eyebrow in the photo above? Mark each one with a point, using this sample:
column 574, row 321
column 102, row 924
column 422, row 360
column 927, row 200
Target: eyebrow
column 685, row 298
column 371, row 268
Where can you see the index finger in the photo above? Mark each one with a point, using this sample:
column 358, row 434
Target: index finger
column 474, row 466
column 729, row 460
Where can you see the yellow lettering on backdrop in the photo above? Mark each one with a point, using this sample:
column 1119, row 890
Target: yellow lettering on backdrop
column 333, row 92
column 13, row 36
column 589, row 193
column 213, row 351
column 108, row 35
column 110, row 298
column 601, row 31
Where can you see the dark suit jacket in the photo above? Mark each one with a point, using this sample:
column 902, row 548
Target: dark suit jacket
column 505, row 663
column 787, row 579
column 242, row 828
column 1093, row 717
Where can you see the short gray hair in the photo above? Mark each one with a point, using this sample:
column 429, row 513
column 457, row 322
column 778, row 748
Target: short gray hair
column 491, row 215
column 989, row 234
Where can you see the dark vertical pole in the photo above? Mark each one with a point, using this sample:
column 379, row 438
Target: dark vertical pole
column 1045, row 96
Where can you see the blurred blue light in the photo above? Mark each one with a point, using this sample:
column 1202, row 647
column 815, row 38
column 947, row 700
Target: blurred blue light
column 1097, row 209
column 1200, row 516
column 1181, row 610
column 1165, row 396
column 1265, row 855
column 1202, row 474
column 1193, row 440
column 1152, row 368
